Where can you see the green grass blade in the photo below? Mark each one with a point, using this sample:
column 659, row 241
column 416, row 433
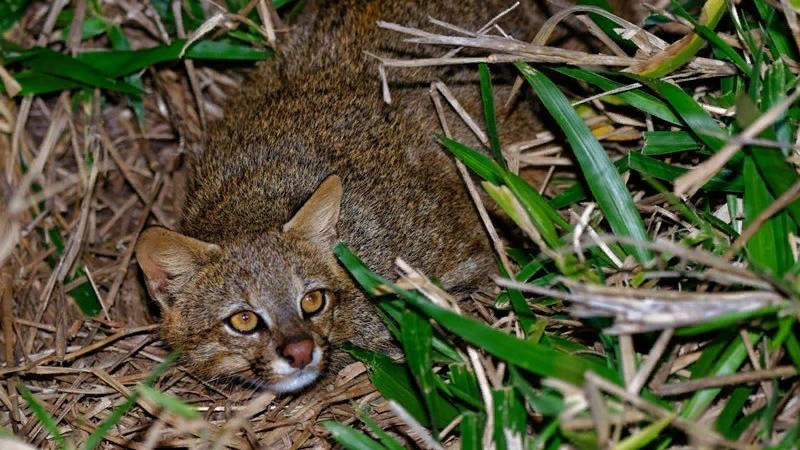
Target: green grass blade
column 119, row 412
column 464, row 384
column 489, row 114
column 116, row 64
column 779, row 175
column 510, row 418
column 779, row 36
column 92, row 27
column 790, row 440
column 417, row 337
column 727, row 321
column 65, row 66
column 679, row 53
column 44, row 416
column 476, row 162
column 84, row 295
column 709, row 35
column 350, row 438
column 521, row 307
column 727, row 364
column 168, row 402
column 388, row 441
column 531, row 211
column 733, row 408
column 792, row 344
column 119, row 41
column 666, row 142
column 769, row 247
column 602, row 178
column 637, row 98
column 536, row 358
column 548, row 435
column 540, row 213
column 546, row 404
column 35, row 83
column 577, row 193
column 393, row 380
column 698, row 120
column 538, row 208
column 644, row 437
column 724, row 181
column 10, row 12
column 471, row 431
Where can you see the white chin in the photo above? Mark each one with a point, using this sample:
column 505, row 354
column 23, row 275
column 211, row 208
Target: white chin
column 294, row 382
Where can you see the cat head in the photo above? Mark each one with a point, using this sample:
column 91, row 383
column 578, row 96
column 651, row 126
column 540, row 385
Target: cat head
column 260, row 307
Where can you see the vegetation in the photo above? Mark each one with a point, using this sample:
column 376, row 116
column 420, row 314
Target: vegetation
column 671, row 235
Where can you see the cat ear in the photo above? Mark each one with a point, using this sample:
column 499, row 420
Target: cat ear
column 318, row 216
column 168, row 259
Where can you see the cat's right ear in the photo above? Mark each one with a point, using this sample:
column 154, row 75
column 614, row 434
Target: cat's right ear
column 168, row 259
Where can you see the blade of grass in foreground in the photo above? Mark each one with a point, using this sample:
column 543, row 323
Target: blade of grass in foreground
column 723, row 181
column 637, row 98
column 65, row 66
column 698, row 120
column 10, row 12
column 644, row 437
column 541, row 214
column 666, row 142
column 537, row 358
column 44, row 416
column 510, row 418
column 605, row 184
column 116, row 415
column 680, row 52
column 417, row 337
column 769, row 247
column 387, row 440
column 709, row 35
column 471, row 429
column 394, row 382
column 350, row 438
column 489, row 114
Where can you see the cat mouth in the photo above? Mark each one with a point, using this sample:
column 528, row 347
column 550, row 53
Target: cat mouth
column 294, row 379
column 295, row 382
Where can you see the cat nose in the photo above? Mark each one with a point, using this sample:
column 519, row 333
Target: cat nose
column 298, row 352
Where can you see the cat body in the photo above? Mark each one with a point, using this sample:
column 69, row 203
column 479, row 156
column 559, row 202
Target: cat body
column 309, row 155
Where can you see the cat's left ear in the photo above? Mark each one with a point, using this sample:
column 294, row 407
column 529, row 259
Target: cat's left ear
column 168, row 259
column 317, row 218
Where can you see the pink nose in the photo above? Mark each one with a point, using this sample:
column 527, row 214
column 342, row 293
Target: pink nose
column 299, row 353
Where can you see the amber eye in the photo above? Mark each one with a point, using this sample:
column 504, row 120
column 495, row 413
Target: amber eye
column 244, row 321
column 313, row 302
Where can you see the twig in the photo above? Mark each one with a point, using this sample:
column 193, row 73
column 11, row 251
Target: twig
column 725, row 380
column 416, row 429
column 650, row 362
column 696, row 178
column 691, row 428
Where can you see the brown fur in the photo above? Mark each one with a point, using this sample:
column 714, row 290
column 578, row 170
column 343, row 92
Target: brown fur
column 318, row 112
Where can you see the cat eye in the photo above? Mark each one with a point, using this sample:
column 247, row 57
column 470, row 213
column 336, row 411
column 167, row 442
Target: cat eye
column 244, row 322
column 313, row 302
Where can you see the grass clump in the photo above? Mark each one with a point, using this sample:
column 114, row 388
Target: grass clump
column 649, row 300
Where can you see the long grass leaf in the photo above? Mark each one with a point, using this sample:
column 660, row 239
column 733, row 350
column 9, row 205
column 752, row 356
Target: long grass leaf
column 489, row 115
column 536, row 358
column 44, row 416
column 602, row 178
column 350, row 438
column 417, row 337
